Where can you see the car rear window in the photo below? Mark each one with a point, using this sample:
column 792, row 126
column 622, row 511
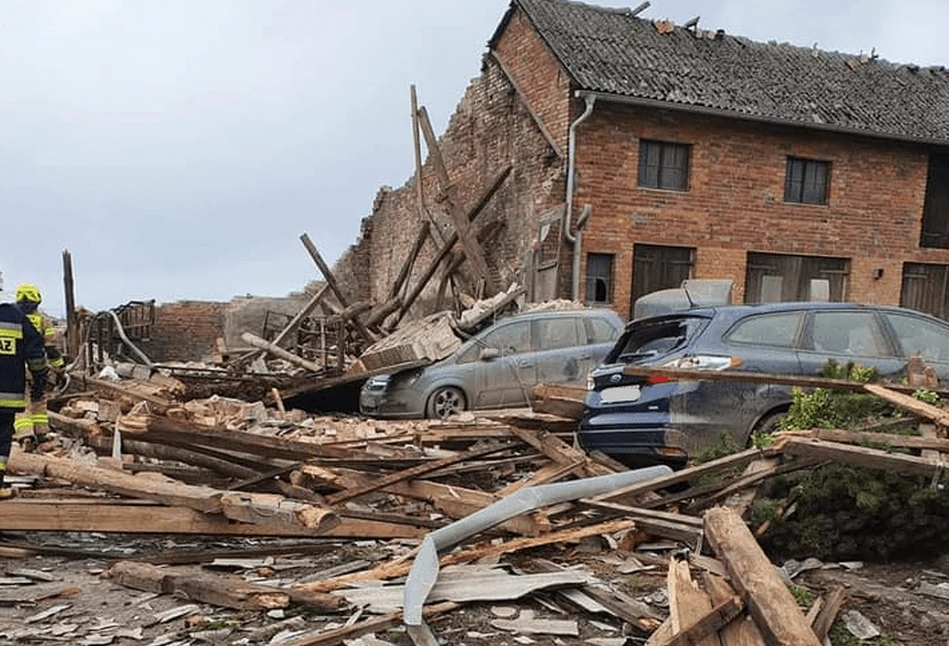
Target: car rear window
column 654, row 339
column 775, row 330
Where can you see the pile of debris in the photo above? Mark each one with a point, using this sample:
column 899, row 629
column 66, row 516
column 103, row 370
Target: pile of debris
column 436, row 500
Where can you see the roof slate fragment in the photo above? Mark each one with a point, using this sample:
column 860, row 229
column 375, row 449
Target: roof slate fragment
column 610, row 51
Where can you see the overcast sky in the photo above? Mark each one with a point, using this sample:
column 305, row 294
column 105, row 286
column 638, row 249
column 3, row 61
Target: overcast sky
column 178, row 148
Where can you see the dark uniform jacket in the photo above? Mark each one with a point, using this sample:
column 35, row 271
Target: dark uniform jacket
column 21, row 346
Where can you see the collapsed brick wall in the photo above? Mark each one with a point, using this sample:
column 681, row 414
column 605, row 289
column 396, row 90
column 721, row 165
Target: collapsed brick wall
column 185, row 331
column 490, row 129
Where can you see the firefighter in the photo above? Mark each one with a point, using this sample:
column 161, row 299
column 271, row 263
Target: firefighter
column 21, row 346
column 32, row 425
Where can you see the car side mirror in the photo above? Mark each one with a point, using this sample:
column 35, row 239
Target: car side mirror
column 487, row 354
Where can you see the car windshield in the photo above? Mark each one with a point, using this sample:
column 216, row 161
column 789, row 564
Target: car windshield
column 654, row 338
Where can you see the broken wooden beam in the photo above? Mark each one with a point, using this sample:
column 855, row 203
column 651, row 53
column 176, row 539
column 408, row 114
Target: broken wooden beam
column 237, row 506
column 469, row 242
column 558, row 399
column 277, row 351
column 227, row 591
column 141, row 517
column 334, row 286
column 768, row 599
column 861, row 456
column 927, row 411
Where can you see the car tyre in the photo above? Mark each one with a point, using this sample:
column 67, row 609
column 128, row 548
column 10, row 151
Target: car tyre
column 767, row 425
column 445, row 402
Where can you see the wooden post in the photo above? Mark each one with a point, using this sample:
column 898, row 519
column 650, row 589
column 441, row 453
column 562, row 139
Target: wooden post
column 469, row 243
column 331, row 281
column 72, row 323
column 768, row 599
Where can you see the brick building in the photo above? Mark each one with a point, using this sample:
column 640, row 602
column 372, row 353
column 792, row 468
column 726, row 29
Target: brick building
column 686, row 153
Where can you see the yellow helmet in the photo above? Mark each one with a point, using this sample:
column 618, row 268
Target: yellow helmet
column 27, row 293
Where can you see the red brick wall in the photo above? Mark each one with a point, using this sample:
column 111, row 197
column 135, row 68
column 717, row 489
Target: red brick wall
column 185, row 331
column 735, row 202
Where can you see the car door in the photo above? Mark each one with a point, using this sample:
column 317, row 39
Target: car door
column 503, row 370
column 560, row 357
column 846, row 336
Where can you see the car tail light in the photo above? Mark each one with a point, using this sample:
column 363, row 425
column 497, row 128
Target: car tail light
column 659, row 379
column 671, row 452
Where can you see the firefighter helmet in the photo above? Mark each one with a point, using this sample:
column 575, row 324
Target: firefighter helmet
column 27, row 293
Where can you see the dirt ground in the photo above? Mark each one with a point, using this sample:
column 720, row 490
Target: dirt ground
column 80, row 606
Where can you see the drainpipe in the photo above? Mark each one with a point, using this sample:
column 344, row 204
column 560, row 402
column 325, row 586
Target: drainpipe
column 575, row 240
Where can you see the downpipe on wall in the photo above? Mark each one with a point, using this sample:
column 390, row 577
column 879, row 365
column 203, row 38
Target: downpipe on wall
column 575, row 240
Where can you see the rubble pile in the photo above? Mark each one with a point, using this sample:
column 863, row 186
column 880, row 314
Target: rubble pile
column 338, row 528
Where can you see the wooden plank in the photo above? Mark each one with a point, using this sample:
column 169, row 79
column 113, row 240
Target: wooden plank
column 928, row 432
column 861, row 456
column 224, row 590
column 148, row 487
column 742, row 631
column 560, row 452
column 258, row 508
column 935, row 443
column 558, row 399
column 688, row 605
column 910, row 403
column 469, row 242
column 828, row 612
column 158, row 404
column 134, row 517
column 408, row 474
column 769, row 601
column 277, row 351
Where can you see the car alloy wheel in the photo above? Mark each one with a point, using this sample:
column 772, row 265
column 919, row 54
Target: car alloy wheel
column 445, row 402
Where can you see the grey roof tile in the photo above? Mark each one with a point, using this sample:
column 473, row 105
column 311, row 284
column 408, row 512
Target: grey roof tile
column 611, row 51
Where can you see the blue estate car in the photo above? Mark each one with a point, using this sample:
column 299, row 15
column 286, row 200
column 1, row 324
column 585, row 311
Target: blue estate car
column 497, row 367
column 641, row 420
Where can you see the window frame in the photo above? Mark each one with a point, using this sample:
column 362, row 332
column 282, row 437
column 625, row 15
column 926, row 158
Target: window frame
column 666, row 168
column 800, row 194
column 609, row 259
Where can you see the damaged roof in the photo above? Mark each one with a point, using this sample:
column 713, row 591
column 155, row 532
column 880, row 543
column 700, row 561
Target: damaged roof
column 613, row 52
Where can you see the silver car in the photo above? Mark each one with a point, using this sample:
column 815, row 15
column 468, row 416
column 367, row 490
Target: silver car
column 498, row 367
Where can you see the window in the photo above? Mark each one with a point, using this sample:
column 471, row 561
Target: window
column 806, row 181
column 599, row 279
column 922, row 337
column 935, row 231
column 556, row 333
column 599, row 330
column 778, row 330
column 512, row 338
column 663, row 165
column 847, row 333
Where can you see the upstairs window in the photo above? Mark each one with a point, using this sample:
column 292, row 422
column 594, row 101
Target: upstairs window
column 935, row 231
column 663, row 165
column 806, row 181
